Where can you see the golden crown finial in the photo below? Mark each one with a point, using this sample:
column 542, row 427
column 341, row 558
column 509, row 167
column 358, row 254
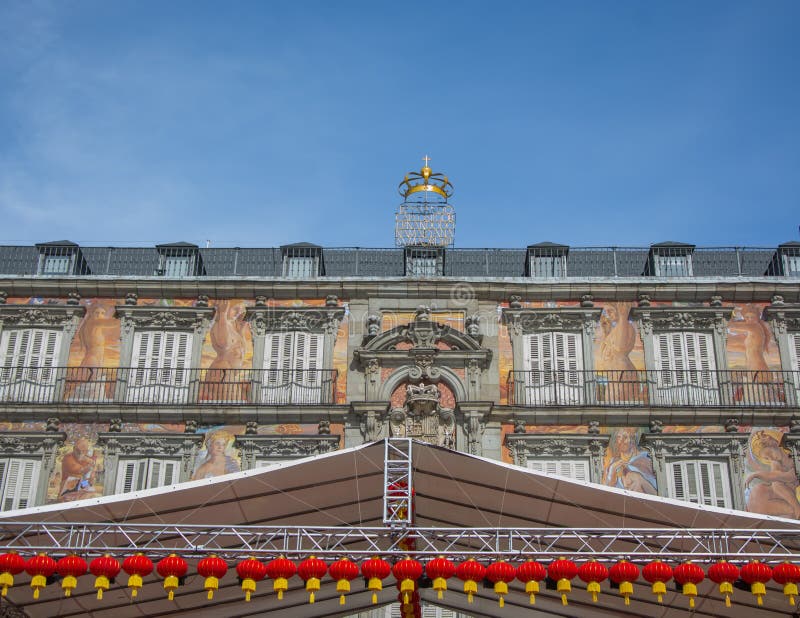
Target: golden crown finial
column 426, row 180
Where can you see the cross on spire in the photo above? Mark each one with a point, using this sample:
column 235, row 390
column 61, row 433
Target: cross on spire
column 427, row 159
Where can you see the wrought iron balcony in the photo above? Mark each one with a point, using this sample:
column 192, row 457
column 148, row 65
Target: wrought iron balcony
column 660, row 388
column 167, row 386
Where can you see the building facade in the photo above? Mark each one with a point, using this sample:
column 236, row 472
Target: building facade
column 670, row 370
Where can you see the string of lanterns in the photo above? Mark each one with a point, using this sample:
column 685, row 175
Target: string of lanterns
column 558, row 575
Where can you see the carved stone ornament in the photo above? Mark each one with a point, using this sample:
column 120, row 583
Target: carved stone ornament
column 289, row 447
column 530, row 445
column 265, row 320
column 696, row 446
column 150, row 444
column 30, row 443
column 666, row 319
column 785, row 317
column 423, row 418
column 195, row 319
column 40, row 315
column 526, row 321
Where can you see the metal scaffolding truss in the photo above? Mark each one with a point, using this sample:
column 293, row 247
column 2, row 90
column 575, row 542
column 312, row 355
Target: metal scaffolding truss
column 236, row 542
column 397, row 486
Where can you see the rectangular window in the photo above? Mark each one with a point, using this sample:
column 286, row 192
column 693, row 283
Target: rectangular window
column 422, row 267
column 160, row 370
column 56, row 264
column 553, row 364
column 300, row 267
column 576, row 469
column 178, row 266
column 548, row 266
column 791, row 265
column 146, row 473
column 293, row 368
column 28, row 364
column 18, row 481
column 700, row 481
column 686, row 372
column 679, row 265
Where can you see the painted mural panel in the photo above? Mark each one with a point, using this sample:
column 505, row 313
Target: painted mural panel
column 771, row 486
column 79, row 470
column 627, row 465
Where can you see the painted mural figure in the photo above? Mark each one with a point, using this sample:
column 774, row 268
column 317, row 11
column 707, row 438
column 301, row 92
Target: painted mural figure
column 94, row 379
column 77, row 469
column 228, row 340
column 773, row 488
column 613, row 362
column 216, row 461
column 749, row 330
column 628, row 466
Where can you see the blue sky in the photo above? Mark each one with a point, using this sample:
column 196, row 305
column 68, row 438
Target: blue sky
column 264, row 123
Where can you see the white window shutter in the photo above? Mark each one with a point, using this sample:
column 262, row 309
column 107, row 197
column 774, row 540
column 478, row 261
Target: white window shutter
column 182, row 356
column 21, row 477
column 130, row 475
column 576, row 469
column 794, row 351
column 700, row 481
column 141, row 357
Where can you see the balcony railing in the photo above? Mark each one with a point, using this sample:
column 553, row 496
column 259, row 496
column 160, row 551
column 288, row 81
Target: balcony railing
column 167, row 386
column 660, row 388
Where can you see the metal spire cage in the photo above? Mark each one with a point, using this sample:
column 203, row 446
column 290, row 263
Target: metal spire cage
column 425, row 218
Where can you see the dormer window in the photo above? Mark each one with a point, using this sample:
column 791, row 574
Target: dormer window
column 424, row 262
column 547, row 259
column 790, row 258
column 61, row 258
column 302, row 261
column 670, row 259
column 179, row 259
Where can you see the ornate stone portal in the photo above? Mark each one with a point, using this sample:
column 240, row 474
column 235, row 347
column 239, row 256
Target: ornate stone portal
column 422, row 417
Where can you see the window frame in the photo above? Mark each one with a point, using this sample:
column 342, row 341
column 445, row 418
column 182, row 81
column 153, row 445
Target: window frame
column 725, row 481
column 591, row 447
column 149, row 463
column 41, row 447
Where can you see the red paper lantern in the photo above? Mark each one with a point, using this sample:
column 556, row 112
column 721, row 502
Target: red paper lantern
column 500, row 573
column 104, row 568
column 251, row 571
column 137, row 567
column 280, row 571
column 724, row 574
column 658, row 574
column 343, row 571
column 531, row 573
column 562, row 571
column 70, row 568
column 375, row 570
column 757, row 574
column 172, row 569
column 407, row 571
column 440, row 570
column 213, row 569
column 311, row 571
column 11, row 564
column 470, row 572
column 40, row 567
column 593, row 573
column 787, row 575
column 624, row 573
column 689, row 575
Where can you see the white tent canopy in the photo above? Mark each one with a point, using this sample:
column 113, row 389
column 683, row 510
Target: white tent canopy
column 345, row 489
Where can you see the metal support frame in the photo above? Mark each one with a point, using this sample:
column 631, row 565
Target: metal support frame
column 236, row 542
column 398, row 506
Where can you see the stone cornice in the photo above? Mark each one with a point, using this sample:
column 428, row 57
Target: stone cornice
column 265, row 320
column 195, row 319
column 523, row 321
column 686, row 289
column 40, row 315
